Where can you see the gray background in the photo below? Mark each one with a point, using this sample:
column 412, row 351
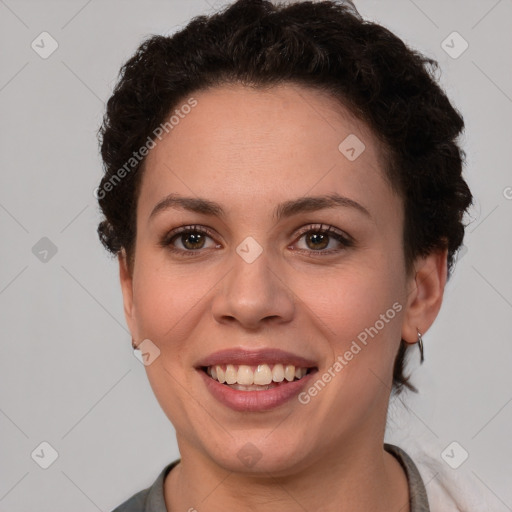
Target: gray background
column 68, row 373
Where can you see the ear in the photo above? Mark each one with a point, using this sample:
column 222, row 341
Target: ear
column 425, row 294
column 126, row 279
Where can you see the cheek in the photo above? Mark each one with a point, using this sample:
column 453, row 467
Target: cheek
column 168, row 307
column 166, row 303
column 352, row 299
column 364, row 319
column 358, row 313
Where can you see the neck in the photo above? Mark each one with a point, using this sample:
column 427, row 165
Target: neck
column 337, row 482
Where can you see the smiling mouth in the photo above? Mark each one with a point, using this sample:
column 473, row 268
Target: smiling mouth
column 259, row 377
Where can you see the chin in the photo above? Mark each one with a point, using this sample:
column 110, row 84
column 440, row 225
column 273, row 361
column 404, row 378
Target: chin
column 255, row 455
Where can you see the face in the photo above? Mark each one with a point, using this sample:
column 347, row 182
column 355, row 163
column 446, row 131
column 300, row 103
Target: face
column 259, row 283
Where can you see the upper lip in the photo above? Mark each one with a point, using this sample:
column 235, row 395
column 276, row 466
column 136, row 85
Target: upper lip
column 250, row 357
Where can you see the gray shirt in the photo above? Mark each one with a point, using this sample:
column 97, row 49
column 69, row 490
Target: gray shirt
column 152, row 498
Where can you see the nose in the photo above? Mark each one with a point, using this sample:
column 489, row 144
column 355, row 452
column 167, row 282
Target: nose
column 253, row 295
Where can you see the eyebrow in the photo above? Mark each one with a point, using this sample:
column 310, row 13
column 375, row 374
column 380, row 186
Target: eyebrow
column 283, row 210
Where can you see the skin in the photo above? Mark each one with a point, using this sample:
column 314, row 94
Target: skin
column 250, row 149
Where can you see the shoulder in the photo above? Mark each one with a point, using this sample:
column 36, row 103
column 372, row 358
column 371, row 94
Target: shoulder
column 449, row 489
column 418, row 499
column 137, row 503
column 150, row 499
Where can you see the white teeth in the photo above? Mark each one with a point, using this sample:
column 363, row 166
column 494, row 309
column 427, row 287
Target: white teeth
column 262, row 375
column 289, row 372
column 245, row 375
column 254, row 387
column 231, row 374
column 278, row 373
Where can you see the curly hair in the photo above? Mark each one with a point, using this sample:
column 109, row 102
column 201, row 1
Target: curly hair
column 325, row 46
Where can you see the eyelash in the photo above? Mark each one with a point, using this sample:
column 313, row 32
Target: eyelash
column 323, row 229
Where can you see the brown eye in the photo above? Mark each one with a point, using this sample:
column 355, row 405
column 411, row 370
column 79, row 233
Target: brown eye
column 192, row 240
column 318, row 238
column 188, row 240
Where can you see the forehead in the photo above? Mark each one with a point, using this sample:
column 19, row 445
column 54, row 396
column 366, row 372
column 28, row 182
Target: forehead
column 240, row 144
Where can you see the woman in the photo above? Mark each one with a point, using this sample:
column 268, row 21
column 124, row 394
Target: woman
column 283, row 191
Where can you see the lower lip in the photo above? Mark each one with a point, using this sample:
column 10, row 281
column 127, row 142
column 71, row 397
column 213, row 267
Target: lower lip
column 255, row 401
